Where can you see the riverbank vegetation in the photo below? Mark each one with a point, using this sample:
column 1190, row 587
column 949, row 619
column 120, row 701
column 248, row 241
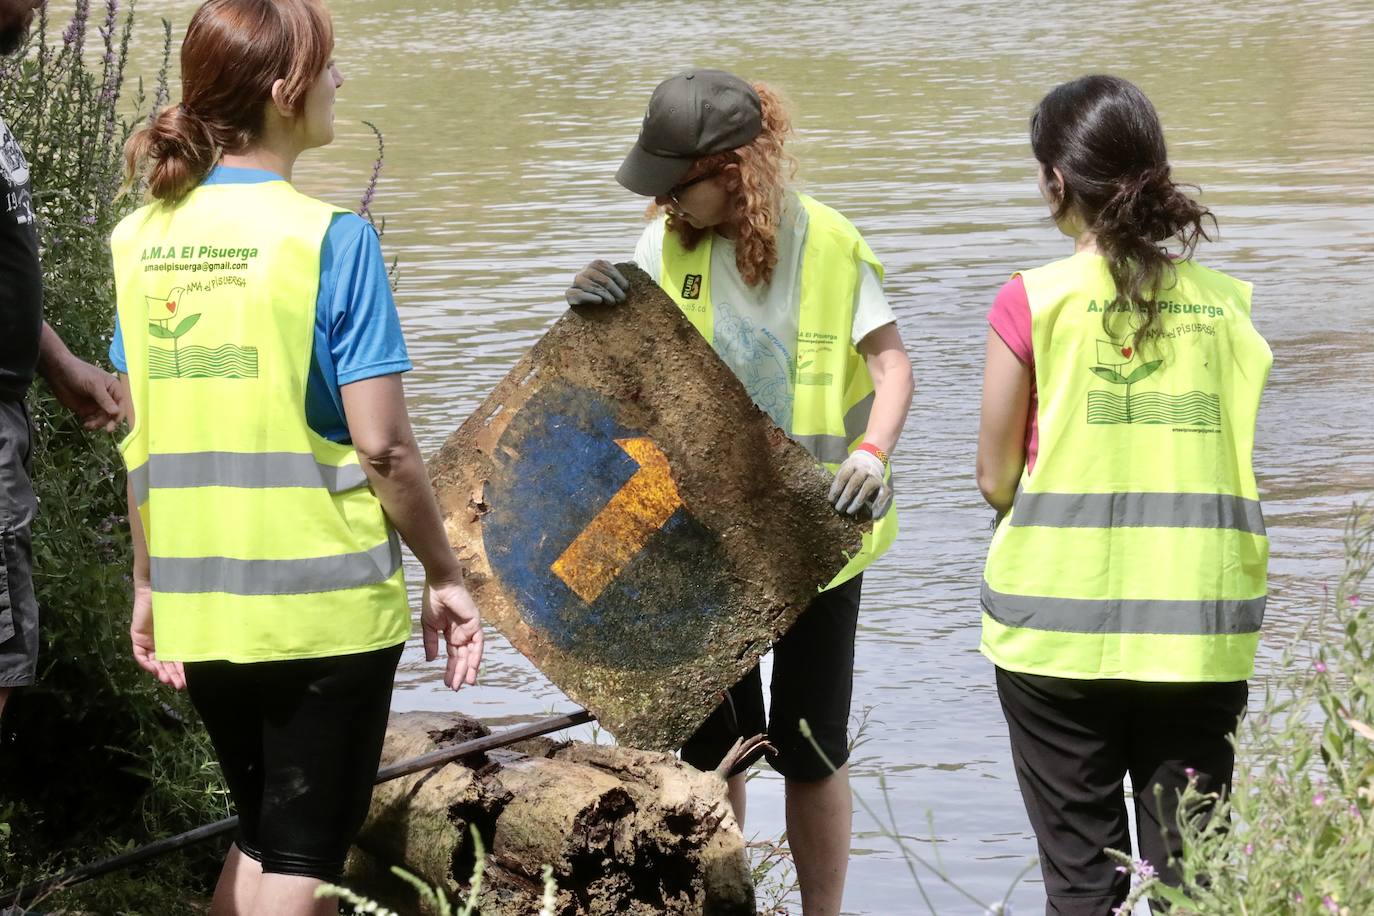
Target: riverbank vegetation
column 96, row 757
column 1295, row 836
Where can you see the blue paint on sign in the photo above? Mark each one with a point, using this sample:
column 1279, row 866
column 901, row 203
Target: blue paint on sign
column 558, row 465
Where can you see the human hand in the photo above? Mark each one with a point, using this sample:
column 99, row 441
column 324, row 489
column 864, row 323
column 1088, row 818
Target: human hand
column 447, row 609
column 141, row 634
column 93, row 394
column 860, row 480
column 599, row 283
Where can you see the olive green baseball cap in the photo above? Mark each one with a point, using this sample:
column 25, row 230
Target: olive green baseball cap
column 694, row 114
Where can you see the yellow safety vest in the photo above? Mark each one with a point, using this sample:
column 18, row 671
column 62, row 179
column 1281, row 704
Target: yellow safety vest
column 1136, row 549
column 833, row 394
column 265, row 540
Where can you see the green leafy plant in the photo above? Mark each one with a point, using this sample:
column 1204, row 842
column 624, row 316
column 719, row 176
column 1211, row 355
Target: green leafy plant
column 434, row 898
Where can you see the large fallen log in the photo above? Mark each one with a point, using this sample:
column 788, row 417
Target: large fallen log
column 625, row 831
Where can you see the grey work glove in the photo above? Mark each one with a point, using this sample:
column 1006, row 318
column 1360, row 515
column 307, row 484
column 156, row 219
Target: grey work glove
column 599, row 283
column 860, row 481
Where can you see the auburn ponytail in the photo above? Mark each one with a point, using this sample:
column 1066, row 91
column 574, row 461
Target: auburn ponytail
column 1103, row 137
column 179, row 150
column 233, row 54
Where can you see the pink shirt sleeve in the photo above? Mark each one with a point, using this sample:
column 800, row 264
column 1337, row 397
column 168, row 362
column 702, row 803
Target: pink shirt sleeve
column 1010, row 317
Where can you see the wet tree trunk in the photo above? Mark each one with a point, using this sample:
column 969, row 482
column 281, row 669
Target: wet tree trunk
column 625, row 831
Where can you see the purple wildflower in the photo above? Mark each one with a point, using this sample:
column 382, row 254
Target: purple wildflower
column 74, row 35
column 1249, row 849
column 365, row 205
column 1321, row 667
column 1354, row 600
column 1145, row 870
column 89, row 219
column 1330, row 904
column 1190, row 772
column 1123, row 869
column 1319, row 799
column 1297, row 898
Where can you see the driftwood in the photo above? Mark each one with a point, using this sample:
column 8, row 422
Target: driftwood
column 625, row 831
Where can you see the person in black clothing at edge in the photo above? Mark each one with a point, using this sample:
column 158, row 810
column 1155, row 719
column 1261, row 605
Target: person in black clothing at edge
column 28, row 344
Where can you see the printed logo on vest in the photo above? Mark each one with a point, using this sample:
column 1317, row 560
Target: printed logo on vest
column 1114, row 359
column 227, row 361
column 691, row 287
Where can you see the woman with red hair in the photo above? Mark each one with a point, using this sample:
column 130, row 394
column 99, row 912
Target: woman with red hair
column 790, row 297
column 271, row 460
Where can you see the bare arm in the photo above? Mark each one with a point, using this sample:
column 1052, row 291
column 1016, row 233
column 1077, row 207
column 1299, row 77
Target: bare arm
column 141, row 633
column 893, row 385
column 90, row 392
column 1002, row 426
column 379, row 425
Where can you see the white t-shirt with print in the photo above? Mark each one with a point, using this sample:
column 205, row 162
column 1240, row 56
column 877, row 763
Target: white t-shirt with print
column 755, row 327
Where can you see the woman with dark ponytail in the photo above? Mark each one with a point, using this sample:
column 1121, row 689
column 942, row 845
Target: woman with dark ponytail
column 271, row 461
column 1125, row 584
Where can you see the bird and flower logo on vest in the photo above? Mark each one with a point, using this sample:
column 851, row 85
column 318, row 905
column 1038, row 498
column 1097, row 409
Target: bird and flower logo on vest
column 192, row 361
column 1121, row 364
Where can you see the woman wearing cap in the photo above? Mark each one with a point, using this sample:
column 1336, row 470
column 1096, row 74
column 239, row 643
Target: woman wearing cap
column 1126, row 581
column 790, row 297
column 271, row 461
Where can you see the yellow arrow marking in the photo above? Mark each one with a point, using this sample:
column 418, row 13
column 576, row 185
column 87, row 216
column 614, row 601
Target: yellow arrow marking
column 623, row 528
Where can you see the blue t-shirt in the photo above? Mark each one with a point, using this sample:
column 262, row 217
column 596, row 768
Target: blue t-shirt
column 357, row 330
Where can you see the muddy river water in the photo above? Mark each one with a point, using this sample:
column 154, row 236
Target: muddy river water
column 505, row 122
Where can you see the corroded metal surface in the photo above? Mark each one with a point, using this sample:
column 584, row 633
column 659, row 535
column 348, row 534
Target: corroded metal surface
column 631, row 521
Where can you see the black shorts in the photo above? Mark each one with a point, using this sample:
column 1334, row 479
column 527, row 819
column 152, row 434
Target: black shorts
column 18, row 606
column 813, row 679
column 299, row 742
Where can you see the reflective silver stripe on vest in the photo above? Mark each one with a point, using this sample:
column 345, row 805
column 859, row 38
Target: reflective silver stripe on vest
column 833, row 449
column 197, row 575
column 1208, row 617
column 1137, row 510
column 251, row 470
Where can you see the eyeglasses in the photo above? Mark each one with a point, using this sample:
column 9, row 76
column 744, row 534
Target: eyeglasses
column 675, row 192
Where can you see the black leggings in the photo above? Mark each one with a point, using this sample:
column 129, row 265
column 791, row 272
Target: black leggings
column 299, row 742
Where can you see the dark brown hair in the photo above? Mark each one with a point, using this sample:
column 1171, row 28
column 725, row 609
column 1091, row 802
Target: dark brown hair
column 233, row 52
column 1103, row 136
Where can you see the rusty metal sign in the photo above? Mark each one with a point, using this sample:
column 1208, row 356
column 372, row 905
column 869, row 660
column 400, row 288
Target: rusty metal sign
column 632, row 522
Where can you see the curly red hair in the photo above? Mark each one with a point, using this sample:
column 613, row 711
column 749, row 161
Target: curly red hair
column 757, row 176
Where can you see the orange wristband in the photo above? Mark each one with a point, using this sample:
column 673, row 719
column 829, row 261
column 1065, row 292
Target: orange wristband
column 873, row 450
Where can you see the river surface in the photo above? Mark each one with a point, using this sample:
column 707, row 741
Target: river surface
column 505, row 122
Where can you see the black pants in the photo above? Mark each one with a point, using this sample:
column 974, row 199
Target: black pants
column 299, row 742
column 813, row 679
column 1073, row 742
column 18, row 505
